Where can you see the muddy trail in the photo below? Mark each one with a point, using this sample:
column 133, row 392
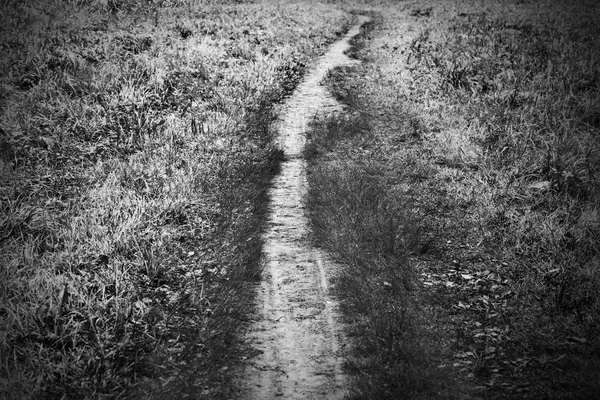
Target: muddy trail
column 297, row 333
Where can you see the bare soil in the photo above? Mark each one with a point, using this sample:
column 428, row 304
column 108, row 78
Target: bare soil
column 297, row 332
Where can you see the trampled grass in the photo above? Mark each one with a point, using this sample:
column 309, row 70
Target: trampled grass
column 135, row 149
column 472, row 152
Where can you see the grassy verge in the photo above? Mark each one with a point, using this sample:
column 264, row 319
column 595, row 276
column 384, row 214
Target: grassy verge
column 467, row 171
column 365, row 222
column 135, row 149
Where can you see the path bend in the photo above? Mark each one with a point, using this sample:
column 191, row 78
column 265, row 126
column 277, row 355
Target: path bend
column 298, row 333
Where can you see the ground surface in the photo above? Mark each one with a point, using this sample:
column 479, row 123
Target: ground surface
column 298, row 330
column 170, row 207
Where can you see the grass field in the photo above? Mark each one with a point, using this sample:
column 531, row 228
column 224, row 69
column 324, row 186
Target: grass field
column 462, row 191
column 135, row 149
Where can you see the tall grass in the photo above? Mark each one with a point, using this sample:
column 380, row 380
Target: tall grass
column 136, row 145
column 480, row 117
column 525, row 83
column 361, row 214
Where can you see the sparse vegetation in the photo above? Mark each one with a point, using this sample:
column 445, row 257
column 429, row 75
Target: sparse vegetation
column 135, row 149
column 462, row 190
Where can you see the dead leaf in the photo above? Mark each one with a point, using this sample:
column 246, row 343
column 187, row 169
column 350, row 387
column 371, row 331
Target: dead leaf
column 63, row 299
column 577, row 339
column 542, row 186
column 46, row 142
column 463, row 305
column 41, row 312
column 590, row 216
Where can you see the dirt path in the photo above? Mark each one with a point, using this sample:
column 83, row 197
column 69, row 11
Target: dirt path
column 298, row 334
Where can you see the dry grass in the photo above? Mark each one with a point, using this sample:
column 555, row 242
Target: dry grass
column 135, row 148
column 479, row 124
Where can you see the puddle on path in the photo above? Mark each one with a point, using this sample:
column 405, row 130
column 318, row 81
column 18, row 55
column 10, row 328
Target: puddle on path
column 297, row 332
